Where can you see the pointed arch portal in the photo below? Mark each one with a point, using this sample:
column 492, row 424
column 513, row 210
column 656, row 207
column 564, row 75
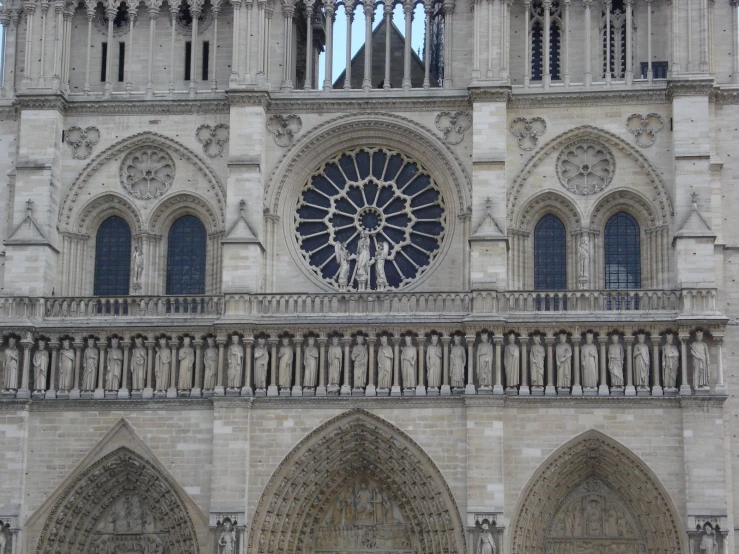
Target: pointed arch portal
column 357, row 483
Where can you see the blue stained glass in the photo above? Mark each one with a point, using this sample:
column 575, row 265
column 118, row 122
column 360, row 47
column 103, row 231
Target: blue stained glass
column 112, row 258
column 550, row 254
column 186, row 256
column 622, row 252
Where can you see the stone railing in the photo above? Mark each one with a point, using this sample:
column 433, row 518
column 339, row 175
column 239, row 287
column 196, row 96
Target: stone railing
column 133, row 306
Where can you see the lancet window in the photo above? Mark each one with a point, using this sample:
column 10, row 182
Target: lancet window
column 550, row 254
column 186, row 252
column 622, row 252
column 542, row 13
column 613, row 38
column 112, row 257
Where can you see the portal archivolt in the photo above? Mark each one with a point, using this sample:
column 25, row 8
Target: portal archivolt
column 359, row 484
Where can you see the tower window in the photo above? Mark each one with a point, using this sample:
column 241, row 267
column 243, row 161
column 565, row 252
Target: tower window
column 188, row 59
column 121, row 60
column 103, row 64
column 206, row 56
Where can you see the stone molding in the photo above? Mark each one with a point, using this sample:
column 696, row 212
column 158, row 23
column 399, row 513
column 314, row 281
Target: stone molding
column 588, row 98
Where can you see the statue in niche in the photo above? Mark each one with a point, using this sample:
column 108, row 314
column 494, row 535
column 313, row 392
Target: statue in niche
column 66, row 366
column 89, row 374
column 484, row 362
column 458, row 359
column 433, row 363
column 40, row 366
column 187, row 363
column 162, row 366
column 511, row 359
column 310, row 362
column 670, row 361
column 115, row 365
column 138, row 264
column 285, row 357
column 701, row 361
column 210, row 361
column 616, row 361
column 537, row 362
column 641, row 362
column 342, row 258
column 485, row 541
column 593, row 518
column 227, row 540
column 363, row 261
column 235, row 362
column 261, row 361
column 408, row 357
column 138, row 365
column 360, row 357
column 334, row 362
column 365, row 511
column 708, row 543
column 589, row 363
column 563, row 353
column 380, row 257
column 384, row 364
column 584, row 257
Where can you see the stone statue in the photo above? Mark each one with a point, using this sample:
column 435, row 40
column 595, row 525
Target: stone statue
column 11, row 366
column 458, row 359
column 616, row 361
column 563, row 354
column 342, row 258
column 89, row 374
column 359, row 359
column 380, row 257
column 3, row 539
column 186, row 356
column 701, row 361
column 408, row 357
column 138, row 264
column 235, row 362
column 670, row 361
column 162, row 366
column 40, row 366
column 138, row 365
column 433, row 363
column 708, row 544
column 115, row 365
column 310, row 362
column 641, row 362
column 537, row 362
column 210, row 361
column 66, row 366
column 334, row 362
column 261, row 361
column 227, row 540
column 484, row 362
column 589, row 363
column 512, row 360
column 584, row 256
column 384, row 364
column 485, row 541
column 285, row 357
column 363, row 261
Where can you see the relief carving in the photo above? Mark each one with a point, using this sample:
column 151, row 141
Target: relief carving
column 528, row 131
column 284, row 128
column 82, row 141
column 585, row 167
column 147, row 172
column 129, row 526
column 701, row 361
column 453, row 125
column 40, row 366
column 645, row 128
column 212, row 138
column 10, row 377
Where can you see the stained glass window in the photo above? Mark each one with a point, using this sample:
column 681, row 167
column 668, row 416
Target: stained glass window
column 622, row 252
column 112, row 257
column 186, row 256
column 550, row 254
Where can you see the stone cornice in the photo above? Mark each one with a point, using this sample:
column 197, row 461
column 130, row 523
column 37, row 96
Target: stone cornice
column 690, row 87
column 87, row 106
column 119, row 405
column 248, row 98
column 355, row 103
column 26, row 101
column 587, row 98
column 493, row 94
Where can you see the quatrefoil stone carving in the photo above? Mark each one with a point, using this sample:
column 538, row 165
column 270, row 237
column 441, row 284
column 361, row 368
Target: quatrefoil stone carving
column 284, row 128
column 82, row 140
column 528, row 131
column 453, row 125
column 212, row 138
column 645, row 128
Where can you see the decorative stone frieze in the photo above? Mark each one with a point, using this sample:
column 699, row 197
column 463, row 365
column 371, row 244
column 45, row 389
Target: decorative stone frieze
column 645, row 128
column 82, row 141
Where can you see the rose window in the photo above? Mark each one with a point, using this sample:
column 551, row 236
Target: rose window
column 585, row 167
column 370, row 219
column 147, row 172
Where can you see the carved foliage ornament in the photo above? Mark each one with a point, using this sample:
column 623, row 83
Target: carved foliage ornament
column 528, row 131
column 284, row 128
column 645, row 128
column 585, row 166
column 82, row 140
column 147, row 172
column 212, row 138
column 453, row 125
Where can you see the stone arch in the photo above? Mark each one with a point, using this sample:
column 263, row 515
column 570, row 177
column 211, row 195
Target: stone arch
column 626, row 200
column 66, row 220
column 663, row 200
column 354, row 444
column 595, row 456
column 102, row 207
column 548, row 202
column 171, row 208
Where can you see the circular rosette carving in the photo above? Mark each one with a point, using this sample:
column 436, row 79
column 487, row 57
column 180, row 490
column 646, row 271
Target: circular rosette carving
column 585, row 167
column 147, row 172
column 375, row 196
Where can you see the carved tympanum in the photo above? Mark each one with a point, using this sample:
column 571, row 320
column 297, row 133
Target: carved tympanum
column 645, row 128
column 147, row 172
column 212, row 138
column 128, row 526
column 82, row 141
column 585, row 166
column 453, row 125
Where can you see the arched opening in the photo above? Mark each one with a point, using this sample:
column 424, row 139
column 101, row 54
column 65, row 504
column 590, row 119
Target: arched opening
column 594, row 495
column 550, row 254
column 186, row 255
column 112, row 257
column 622, row 252
column 357, row 483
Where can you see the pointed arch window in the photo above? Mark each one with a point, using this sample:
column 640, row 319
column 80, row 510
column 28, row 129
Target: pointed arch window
column 617, row 58
column 622, row 252
column 537, row 20
column 186, row 250
column 112, row 257
column 550, row 254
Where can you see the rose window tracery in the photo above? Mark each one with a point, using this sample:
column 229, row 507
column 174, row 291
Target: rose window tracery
column 147, row 172
column 370, row 219
column 585, row 167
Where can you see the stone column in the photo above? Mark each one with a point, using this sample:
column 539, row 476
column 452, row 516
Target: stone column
column 172, row 390
column 566, row 39
column 369, row 13
column 51, row 391
column 153, row 11
column 329, row 7
column 195, row 10
column 247, row 390
column 75, row 392
column 524, row 389
column 24, row 391
column 58, row 38
column 387, row 6
column 396, row 391
column 235, row 45
column 123, row 392
column 408, row 11
column 29, row 9
column 550, row 389
column 129, row 73
column 67, row 47
column 197, row 389
column 498, row 387
column 470, row 388
column 346, row 388
column 577, row 386
column 321, row 388
column 491, row 9
column 603, row 382
column 273, row 390
column 630, row 389
column 656, row 385
column 220, row 390
column 100, row 390
column 448, row 8
column 685, row 385
column 475, row 6
column 527, row 43
column 216, row 12
column 629, row 72
column 371, row 390
column 720, row 385
column 297, row 389
column 149, row 390
column 547, row 76
column 445, row 388
column 309, row 45
column 173, row 11
column 608, row 75
column 588, row 77
column 428, row 9
column 420, row 387
column 110, row 12
column 349, row 11
column 288, row 10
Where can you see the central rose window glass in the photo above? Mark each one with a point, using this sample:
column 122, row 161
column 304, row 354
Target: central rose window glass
column 370, row 219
